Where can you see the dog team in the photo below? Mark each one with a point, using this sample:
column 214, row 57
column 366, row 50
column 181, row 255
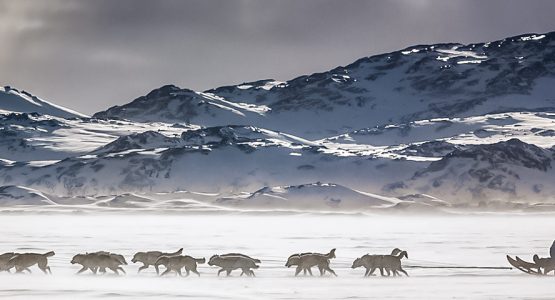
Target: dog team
column 102, row 261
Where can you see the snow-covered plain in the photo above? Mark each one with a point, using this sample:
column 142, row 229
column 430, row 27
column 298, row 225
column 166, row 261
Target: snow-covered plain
column 479, row 240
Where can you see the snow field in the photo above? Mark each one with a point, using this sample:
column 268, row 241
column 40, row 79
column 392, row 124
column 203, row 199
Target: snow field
column 432, row 241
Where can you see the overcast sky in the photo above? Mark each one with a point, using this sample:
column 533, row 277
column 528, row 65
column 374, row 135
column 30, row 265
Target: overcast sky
column 89, row 55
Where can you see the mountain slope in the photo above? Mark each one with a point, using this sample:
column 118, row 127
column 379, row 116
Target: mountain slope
column 30, row 137
column 216, row 159
column 172, row 104
column 508, row 170
column 420, row 82
column 13, row 100
column 18, row 195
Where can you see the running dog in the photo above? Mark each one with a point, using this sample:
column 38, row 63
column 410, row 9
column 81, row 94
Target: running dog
column 22, row 262
column 149, row 258
column 305, row 262
column 95, row 261
column 176, row 263
column 230, row 262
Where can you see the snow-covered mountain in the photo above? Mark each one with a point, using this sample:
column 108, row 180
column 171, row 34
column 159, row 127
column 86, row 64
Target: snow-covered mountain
column 172, row 104
column 227, row 159
column 14, row 100
column 444, row 125
column 422, row 82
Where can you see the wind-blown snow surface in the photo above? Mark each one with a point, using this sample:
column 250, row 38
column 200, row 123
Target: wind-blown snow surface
column 430, row 241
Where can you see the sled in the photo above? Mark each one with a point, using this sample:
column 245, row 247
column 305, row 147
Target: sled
column 524, row 266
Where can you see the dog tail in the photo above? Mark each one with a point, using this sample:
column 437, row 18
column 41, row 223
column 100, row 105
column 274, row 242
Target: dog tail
column 178, row 252
column 48, row 254
column 200, row 260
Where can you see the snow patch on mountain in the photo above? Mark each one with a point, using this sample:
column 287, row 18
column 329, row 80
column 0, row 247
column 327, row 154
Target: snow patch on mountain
column 14, row 100
column 12, row 195
column 30, row 137
column 143, row 140
column 126, row 200
column 316, row 196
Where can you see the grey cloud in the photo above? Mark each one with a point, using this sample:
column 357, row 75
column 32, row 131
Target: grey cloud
column 89, row 55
